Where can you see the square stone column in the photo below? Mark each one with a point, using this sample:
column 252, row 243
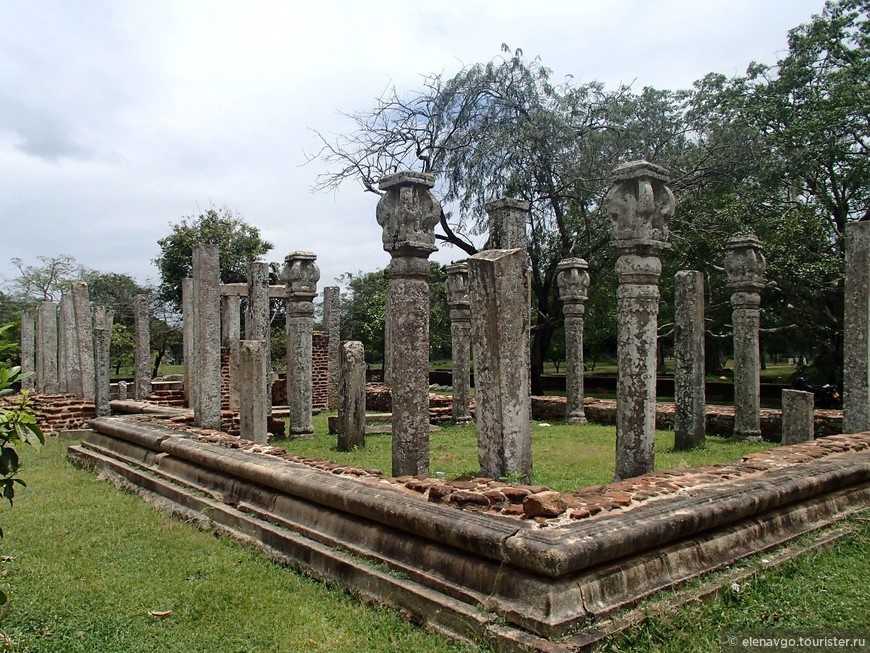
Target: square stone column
column 856, row 330
column 84, row 319
column 28, row 351
column 207, row 336
column 68, row 362
column 507, row 219
column 640, row 204
column 352, row 397
column 744, row 265
column 231, row 334
column 46, row 349
column 188, row 319
column 408, row 213
column 102, row 344
column 302, row 275
column 573, row 283
column 332, row 325
column 257, row 323
column 142, row 347
column 797, row 417
column 253, row 406
column 460, row 339
column 499, row 291
column 689, row 392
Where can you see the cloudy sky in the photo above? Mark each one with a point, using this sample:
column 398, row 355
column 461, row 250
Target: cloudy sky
column 118, row 117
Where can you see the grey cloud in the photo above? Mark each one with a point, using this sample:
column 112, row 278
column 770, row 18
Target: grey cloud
column 39, row 133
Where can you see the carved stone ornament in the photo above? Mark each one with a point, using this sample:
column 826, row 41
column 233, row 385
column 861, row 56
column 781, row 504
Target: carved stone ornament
column 408, row 214
column 573, row 280
column 457, row 285
column 640, row 205
column 744, row 264
column 302, row 275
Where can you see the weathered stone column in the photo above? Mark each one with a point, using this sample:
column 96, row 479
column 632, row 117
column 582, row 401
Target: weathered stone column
column 856, row 330
column 573, row 282
column 507, row 224
column 231, row 334
column 460, row 339
column 28, row 351
column 253, row 405
column 689, row 396
column 257, row 324
column 387, row 367
column 302, row 275
column 69, row 369
column 332, row 324
column 46, row 348
column 207, row 336
column 352, row 396
column 408, row 213
column 85, row 335
column 499, row 292
column 142, row 348
column 640, row 205
column 797, row 417
column 188, row 319
column 744, row 265
column 102, row 344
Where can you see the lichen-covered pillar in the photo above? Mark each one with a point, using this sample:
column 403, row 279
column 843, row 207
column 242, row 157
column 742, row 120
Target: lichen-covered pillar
column 640, row 204
column 332, row 325
column 408, row 213
column 142, row 347
column 797, row 417
column 351, row 396
column 744, row 265
column 573, row 283
column 68, row 363
column 689, row 396
column 856, row 330
column 46, row 348
column 507, row 219
column 498, row 285
column 207, row 336
column 387, row 367
column 257, row 324
column 188, row 319
column 231, row 334
column 28, row 351
column 102, row 343
column 302, row 275
column 253, row 404
column 84, row 320
column 460, row 339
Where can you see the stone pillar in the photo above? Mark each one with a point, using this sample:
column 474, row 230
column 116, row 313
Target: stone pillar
column 797, row 417
column 573, row 282
column 499, row 292
column 28, row 351
column 408, row 213
column 142, row 348
column 640, row 205
column 257, row 324
column 46, row 349
column 188, row 319
column 744, row 265
column 856, row 330
column 231, row 334
column 122, row 390
column 460, row 338
column 387, row 368
column 68, row 362
column 689, row 396
column 207, row 336
column 302, row 275
column 332, row 325
column 253, row 400
column 102, row 344
column 85, row 336
column 507, row 224
column 351, row 396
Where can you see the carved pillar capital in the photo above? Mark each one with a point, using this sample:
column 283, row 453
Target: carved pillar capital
column 408, row 213
column 302, row 274
column 744, row 265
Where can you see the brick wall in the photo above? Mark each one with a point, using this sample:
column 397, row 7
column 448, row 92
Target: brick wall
column 56, row 413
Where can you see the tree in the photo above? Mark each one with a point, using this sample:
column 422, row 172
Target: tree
column 45, row 282
column 239, row 244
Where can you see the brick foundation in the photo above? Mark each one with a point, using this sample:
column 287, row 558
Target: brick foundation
column 56, row 413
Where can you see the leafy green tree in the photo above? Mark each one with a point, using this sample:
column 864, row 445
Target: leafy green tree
column 239, row 243
column 44, row 282
column 123, row 347
column 363, row 308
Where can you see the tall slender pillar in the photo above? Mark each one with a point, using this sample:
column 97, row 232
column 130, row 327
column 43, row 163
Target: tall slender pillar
column 689, row 396
column 302, row 275
column 856, row 330
column 257, row 324
column 68, row 362
column 332, row 324
column 640, row 205
column 352, row 397
column 142, row 349
column 408, row 213
column 744, row 265
column 102, row 343
column 231, row 334
column 28, row 351
column 507, row 223
column 253, row 406
column 188, row 319
column 460, row 339
column 207, row 336
column 84, row 320
column 46, row 349
column 573, row 282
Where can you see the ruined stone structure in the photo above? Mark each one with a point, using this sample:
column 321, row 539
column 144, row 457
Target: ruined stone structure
column 499, row 291
column 408, row 213
column 46, row 349
column 507, row 219
column 460, row 339
column 797, row 416
column 573, row 283
column 856, row 330
column 102, row 343
column 207, row 336
column 640, row 205
column 257, row 316
column 28, row 351
column 68, row 362
column 302, row 275
column 84, row 333
column 744, row 265
column 188, row 312
column 352, row 396
column 332, row 326
column 142, row 350
column 231, row 333
column 689, row 399
column 253, row 399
